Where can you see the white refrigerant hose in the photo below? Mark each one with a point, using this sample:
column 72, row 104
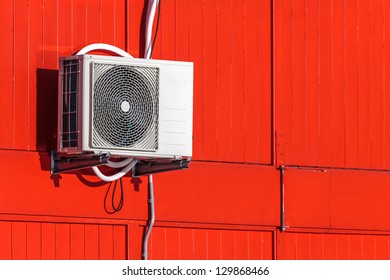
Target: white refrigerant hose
column 129, row 163
column 119, row 164
column 116, row 176
column 103, row 47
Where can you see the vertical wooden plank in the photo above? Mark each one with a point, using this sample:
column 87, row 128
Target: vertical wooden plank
column 134, row 14
column 265, row 67
column 369, row 250
column 187, row 244
column 241, row 245
column 253, row 79
column 281, row 248
column 63, row 241
column 48, row 241
column 6, row 78
column 93, row 21
column 227, row 244
column 351, row 84
column 299, row 48
column 79, row 22
column 214, row 245
column 119, row 19
column 255, row 245
column 303, row 246
column 50, row 34
column 106, row 242
column 183, row 15
column 209, row 77
column 283, row 73
column 325, row 84
column 77, row 242
column 224, row 79
column 157, row 244
column 388, row 245
column 168, row 24
column 119, row 243
column 290, row 246
column 134, row 235
column 34, row 246
column 267, row 248
column 238, row 132
column 329, row 246
column 355, row 247
column 196, row 54
column 364, row 84
column 173, row 243
column 386, row 82
column 338, row 78
column 5, row 240
column 65, row 28
column 378, row 94
column 312, row 81
column 21, row 96
column 19, row 241
column 35, row 57
column 108, row 26
column 92, row 249
column 343, row 247
column 382, row 247
column 200, row 251
column 316, row 249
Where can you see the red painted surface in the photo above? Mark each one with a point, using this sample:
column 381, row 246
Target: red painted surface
column 330, row 246
column 298, row 84
column 337, row 199
column 232, row 102
column 331, row 83
column 42, row 240
column 210, row 244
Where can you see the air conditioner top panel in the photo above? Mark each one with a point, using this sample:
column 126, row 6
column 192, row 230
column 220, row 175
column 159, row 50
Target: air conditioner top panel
column 119, row 59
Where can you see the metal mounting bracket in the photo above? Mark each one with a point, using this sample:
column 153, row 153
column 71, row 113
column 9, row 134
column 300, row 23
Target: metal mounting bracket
column 145, row 168
column 60, row 163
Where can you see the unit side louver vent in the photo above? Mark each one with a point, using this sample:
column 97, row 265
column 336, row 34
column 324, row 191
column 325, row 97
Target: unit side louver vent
column 69, row 135
column 125, row 107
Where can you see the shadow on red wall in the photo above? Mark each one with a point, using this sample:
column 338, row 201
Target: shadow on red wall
column 47, row 103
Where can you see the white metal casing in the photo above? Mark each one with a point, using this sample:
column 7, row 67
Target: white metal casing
column 175, row 110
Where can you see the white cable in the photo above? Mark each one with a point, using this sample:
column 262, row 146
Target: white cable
column 103, row 47
column 149, row 27
column 119, row 164
column 116, row 176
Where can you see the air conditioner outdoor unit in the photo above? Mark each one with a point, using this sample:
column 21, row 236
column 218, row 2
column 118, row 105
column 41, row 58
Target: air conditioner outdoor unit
column 128, row 107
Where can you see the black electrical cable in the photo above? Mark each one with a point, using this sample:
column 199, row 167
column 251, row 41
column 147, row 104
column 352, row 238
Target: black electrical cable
column 157, row 25
column 112, row 187
column 120, row 204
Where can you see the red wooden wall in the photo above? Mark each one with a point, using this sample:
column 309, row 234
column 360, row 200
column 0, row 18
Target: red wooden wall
column 298, row 84
column 333, row 83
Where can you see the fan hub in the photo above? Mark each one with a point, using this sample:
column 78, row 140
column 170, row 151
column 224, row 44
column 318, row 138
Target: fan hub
column 125, row 106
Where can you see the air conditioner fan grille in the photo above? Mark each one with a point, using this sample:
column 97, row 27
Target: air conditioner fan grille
column 125, row 107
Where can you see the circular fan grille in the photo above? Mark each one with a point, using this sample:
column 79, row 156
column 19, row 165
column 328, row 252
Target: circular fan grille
column 125, row 107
